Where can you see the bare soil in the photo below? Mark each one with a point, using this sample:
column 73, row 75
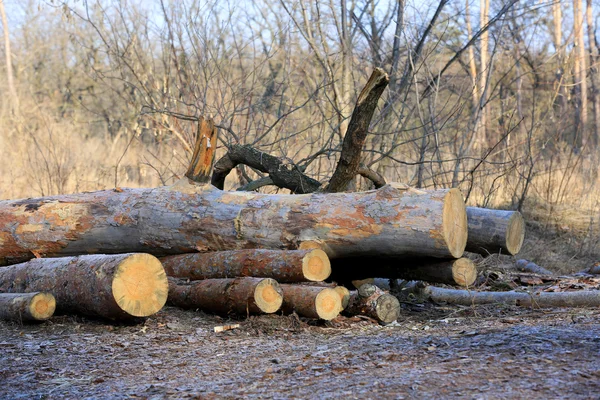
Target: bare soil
column 432, row 352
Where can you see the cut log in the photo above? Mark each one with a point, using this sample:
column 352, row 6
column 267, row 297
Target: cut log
column 240, row 295
column 185, row 218
column 344, row 294
column 311, row 301
column 529, row 266
column 371, row 301
column 27, row 306
column 112, row 286
column 494, row 231
column 281, row 265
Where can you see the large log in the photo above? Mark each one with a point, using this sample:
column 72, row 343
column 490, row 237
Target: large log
column 494, row 231
column 112, row 286
column 27, row 306
column 371, row 301
column 184, row 218
column 240, row 295
column 311, row 301
column 281, row 265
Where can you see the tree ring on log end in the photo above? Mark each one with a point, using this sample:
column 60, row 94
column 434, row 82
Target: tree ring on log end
column 454, row 223
column 268, row 296
column 140, row 286
column 387, row 308
column 316, row 266
column 515, row 233
column 328, row 304
column 464, row 272
column 42, row 306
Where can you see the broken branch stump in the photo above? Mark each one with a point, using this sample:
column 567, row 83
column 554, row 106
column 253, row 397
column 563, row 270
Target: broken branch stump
column 27, row 306
column 117, row 286
column 240, row 295
column 494, row 231
column 281, row 265
column 311, row 301
column 371, row 301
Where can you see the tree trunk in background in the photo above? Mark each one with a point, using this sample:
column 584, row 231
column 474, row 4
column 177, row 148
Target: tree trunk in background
column 484, row 9
column 9, row 70
column 594, row 71
column 561, row 94
column 473, row 73
column 580, row 73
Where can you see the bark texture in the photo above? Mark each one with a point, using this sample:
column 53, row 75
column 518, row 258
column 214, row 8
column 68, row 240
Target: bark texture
column 240, row 295
column 27, row 306
column 494, row 231
column 111, row 286
column 185, row 218
column 371, row 301
column 311, row 301
column 281, row 265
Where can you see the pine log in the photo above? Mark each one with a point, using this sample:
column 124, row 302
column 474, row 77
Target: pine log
column 239, row 295
column 529, row 266
column 118, row 286
column 494, row 231
column 27, row 306
column 184, row 218
column 371, row 301
column 281, row 265
column 311, row 301
column 344, row 294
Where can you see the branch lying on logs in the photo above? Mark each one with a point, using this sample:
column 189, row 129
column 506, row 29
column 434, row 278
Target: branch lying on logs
column 240, row 295
column 185, row 218
column 23, row 307
column 528, row 266
column 494, row 231
column 118, row 286
column 281, row 265
column 371, row 301
column 311, row 301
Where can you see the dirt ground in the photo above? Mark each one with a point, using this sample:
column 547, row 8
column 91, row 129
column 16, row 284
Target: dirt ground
column 432, row 352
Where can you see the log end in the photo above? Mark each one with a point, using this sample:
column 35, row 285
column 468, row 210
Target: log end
column 344, row 296
column 328, row 304
column 316, row 266
column 515, row 233
column 268, row 296
column 140, row 286
column 454, row 223
column 42, row 306
column 387, row 308
column 464, row 272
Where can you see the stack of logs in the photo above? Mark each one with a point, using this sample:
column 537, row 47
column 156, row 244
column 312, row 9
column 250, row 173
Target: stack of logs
column 236, row 252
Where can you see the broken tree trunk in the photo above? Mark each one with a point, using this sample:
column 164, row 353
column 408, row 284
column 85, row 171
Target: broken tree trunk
column 460, row 271
column 112, row 286
column 200, row 167
column 27, row 306
column 311, row 301
column 371, row 301
column 240, row 295
column 184, row 218
column 281, row 265
column 494, row 231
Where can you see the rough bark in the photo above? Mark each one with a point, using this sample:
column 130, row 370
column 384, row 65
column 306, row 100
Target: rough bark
column 528, row 266
column 283, row 173
column 111, row 286
column 185, row 218
column 200, row 167
column 23, row 307
column 281, row 265
column 311, row 301
column 240, row 295
column 494, row 231
column 371, row 301
column 355, row 137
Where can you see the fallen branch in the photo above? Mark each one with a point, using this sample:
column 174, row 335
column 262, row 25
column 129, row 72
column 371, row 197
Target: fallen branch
column 528, row 266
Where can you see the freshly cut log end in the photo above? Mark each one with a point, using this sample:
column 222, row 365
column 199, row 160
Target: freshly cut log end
column 515, row 233
column 454, row 223
column 387, row 308
column 464, row 272
column 268, row 296
column 344, row 296
column 316, row 266
column 27, row 306
column 140, row 285
column 328, row 304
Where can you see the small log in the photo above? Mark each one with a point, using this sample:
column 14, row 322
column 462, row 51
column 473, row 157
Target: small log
column 583, row 298
column 200, row 167
column 344, row 294
column 117, row 286
column 371, row 301
column 239, row 295
column 528, row 266
column 494, row 231
column 311, row 301
column 281, row 265
column 27, row 306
